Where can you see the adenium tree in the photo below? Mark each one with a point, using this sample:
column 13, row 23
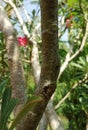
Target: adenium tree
column 73, row 75
column 50, row 61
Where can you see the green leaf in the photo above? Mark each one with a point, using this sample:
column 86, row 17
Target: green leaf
column 2, row 86
column 5, row 100
column 27, row 107
column 82, row 61
column 9, row 108
column 72, row 2
column 33, row 12
column 77, row 65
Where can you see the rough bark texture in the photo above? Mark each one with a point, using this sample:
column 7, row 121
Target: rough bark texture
column 15, row 66
column 49, row 21
column 14, row 62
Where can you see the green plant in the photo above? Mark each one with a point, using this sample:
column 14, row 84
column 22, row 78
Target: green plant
column 7, row 106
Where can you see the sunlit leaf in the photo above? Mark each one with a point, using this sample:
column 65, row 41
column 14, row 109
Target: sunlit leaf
column 8, row 9
column 77, row 65
column 72, row 2
column 82, row 61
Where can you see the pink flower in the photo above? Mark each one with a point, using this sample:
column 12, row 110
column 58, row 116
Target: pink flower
column 23, row 41
column 69, row 21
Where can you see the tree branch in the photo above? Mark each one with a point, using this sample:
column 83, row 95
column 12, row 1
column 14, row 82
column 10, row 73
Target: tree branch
column 71, row 90
column 65, row 64
column 82, row 44
column 19, row 17
column 15, row 65
column 35, row 63
column 69, row 58
column 25, row 12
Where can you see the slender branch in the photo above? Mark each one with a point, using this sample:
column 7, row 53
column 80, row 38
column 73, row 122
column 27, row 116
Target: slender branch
column 65, row 64
column 73, row 87
column 26, row 61
column 19, row 17
column 61, row 30
column 14, row 62
column 82, row 44
column 70, row 58
column 25, row 11
column 35, row 63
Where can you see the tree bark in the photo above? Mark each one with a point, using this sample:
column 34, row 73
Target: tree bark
column 14, row 62
column 15, row 65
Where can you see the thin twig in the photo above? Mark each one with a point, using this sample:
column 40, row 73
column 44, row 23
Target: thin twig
column 70, row 58
column 25, row 11
column 82, row 44
column 19, row 17
column 65, row 64
column 73, row 87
